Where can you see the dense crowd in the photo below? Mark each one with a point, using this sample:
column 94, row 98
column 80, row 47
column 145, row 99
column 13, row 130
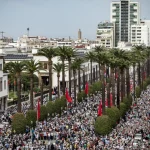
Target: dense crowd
column 74, row 130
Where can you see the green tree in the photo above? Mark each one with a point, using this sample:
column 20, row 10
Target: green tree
column 49, row 53
column 31, row 67
column 90, row 57
column 70, row 54
column 58, row 68
column 61, row 52
column 16, row 68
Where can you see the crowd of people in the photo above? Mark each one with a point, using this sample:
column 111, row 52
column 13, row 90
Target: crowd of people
column 74, row 129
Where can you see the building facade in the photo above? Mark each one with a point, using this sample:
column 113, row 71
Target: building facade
column 106, row 34
column 3, row 85
column 140, row 35
column 124, row 13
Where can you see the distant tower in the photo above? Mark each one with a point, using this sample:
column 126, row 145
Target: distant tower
column 79, row 35
column 28, row 32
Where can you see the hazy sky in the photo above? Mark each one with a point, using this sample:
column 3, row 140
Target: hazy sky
column 57, row 18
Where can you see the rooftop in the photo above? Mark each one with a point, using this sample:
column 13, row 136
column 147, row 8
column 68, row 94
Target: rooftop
column 17, row 56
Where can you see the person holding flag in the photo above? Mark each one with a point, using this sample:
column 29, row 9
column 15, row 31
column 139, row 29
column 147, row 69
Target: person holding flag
column 68, row 98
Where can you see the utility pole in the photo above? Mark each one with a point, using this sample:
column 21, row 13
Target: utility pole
column 2, row 33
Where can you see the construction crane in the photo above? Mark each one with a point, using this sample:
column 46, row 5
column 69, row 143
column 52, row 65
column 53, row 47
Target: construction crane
column 2, row 34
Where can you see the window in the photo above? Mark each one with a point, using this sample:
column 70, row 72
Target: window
column 45, row 65
column 0, row 66
column 1, row 84
column 4, row 84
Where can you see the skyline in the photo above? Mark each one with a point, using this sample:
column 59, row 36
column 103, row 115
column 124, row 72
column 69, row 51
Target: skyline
column 72, row 16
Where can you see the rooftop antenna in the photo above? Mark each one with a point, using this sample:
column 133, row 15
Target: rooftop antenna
column 2, row 34
column 28, row 32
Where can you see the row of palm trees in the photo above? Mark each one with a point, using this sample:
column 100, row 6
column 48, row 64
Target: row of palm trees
column 118, row 61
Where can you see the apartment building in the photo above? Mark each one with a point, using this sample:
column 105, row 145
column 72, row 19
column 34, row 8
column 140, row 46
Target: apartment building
column 3, row 85
column 140, row 35
column 124, row 13
column 106, row 34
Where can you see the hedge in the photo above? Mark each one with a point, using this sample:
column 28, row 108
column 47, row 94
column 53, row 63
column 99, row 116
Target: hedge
column 123, row 109
column 18, row 123
column 81, row 96
column 50, row 107
column 43, row 113
column 103, row 125
column 31, row 115
column 114, row 115
column 138, row 91
column 127, row 102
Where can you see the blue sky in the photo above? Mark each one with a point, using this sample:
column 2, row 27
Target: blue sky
column 57, row 18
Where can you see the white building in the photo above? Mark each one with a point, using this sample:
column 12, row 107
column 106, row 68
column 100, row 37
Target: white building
column 105, row 34
column 140, row 35
column 124, row 13
column 3, row 85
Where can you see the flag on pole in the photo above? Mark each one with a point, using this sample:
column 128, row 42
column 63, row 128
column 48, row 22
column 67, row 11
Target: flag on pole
column 86, row 88
column 38, row 110
column 68, row 98
column 100, row 109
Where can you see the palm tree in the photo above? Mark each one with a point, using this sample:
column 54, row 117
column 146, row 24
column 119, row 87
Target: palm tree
column 74, row 68
column 61, row 52
column 58, row 68
column 31, row 67
column 90, row 56
column 70, row 53
column 148, row 60
column 139, row 49
column 16, row 68
column 102, row 58
column 49, row 53
column 79, row 62
column 98, row 50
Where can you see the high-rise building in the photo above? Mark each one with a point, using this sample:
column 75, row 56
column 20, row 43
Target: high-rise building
column 79, row 35
column 105, row 34
column 124, row 13
column 140, row 34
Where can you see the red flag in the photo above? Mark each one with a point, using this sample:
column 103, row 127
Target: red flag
column 106, row 102
column 38, row 110
column 69, row 99
column 86, row 88
column 131, row 86
column 111, row 102
column 100, row 109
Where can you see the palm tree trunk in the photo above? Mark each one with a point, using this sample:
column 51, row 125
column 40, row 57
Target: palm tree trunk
column 118, row 90
column 79, row 81
column 99, row 71
column 19, row 92
column 127, row 82
column 142, row 79
column 31, row 92
column 134, row 80
column 96, row 73
column 91, row 71
column 41, row 91
column 58, row 76
column 74, row 74
column 83, row 79
column 63, row 77
column 108, row 94
column 50, row 79
column 139, row 75
column 122, row 85
column 113, row 85
column 103, row 91
column 69, row 71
